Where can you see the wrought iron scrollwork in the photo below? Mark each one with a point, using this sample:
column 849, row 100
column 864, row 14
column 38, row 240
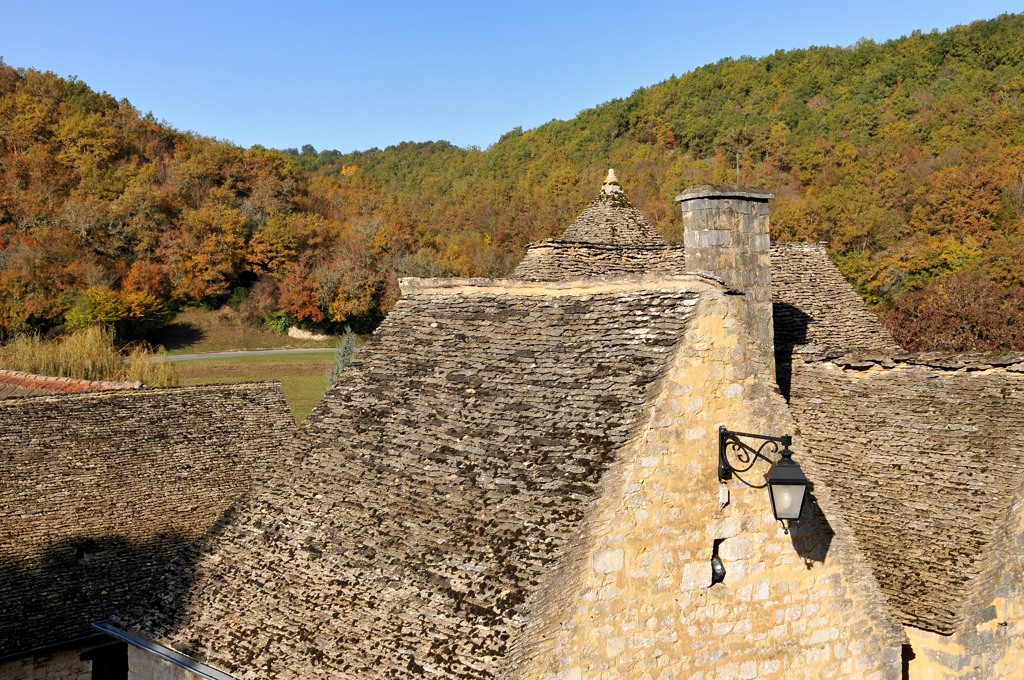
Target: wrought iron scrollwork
column 746, row 455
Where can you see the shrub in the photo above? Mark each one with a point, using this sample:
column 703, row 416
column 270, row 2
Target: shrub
column 149, row 367
column 238, row 297
column 260, row 302
column 87, row 354
column 279, row 322
column 959, row 312
column 128, row 313
column 346, row 353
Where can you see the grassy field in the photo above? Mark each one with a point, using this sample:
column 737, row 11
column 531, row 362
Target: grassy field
column 196, row 330
column 303, row 377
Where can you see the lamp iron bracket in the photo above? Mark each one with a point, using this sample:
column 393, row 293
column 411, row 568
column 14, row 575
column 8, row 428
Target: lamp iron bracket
column 746, row 454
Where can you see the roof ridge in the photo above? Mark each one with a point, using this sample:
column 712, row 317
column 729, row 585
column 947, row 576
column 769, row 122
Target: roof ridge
column 57, row 383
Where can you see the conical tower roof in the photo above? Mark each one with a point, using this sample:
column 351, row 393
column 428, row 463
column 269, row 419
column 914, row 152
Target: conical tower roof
column 611, row 219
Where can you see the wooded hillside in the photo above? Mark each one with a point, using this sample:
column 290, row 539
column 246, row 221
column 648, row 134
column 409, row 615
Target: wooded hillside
column 907, row 157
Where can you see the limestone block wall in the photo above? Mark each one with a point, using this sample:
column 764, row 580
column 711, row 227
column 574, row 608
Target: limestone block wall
column 726, row 235
column 143, row 665
column 60, row 665
column 636, row 600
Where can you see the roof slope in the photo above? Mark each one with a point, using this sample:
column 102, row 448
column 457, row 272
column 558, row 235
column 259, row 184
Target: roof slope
column 562, row 261
column 611, row 219
column 924, row 462
column 100, row 491
column 815, row 305
column 447, row 472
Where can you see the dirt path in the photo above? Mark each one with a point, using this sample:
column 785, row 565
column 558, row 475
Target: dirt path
column 247, row 353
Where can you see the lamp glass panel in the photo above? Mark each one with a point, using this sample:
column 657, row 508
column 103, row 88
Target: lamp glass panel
column 787, row 499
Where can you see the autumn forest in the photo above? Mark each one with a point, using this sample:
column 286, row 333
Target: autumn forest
column 905, row 157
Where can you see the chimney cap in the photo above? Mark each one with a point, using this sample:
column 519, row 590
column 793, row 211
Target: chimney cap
column 724, row 191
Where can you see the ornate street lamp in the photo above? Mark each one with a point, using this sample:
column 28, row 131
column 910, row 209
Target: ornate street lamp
column 787, row 484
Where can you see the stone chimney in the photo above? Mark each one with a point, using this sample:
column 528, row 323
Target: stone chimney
column 725, row 231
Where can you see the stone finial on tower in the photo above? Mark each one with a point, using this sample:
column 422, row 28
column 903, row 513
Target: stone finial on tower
column 725, row 232
column 611, row 184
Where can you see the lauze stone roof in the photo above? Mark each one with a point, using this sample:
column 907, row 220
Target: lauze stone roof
column 611, row 219
column 100, row 491
column 925, row 461
column 441, row 483
column 446, row 475
column 815, row 306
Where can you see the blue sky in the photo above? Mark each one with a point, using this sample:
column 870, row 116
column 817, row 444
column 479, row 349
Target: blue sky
column 354, row 75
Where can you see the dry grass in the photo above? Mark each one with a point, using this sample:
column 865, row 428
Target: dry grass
column 88, row 354
column 198, row 331
column 303, row 376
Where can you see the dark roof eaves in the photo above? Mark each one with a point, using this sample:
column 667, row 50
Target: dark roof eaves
column 642, row 247
column 638, row 282
column 968, row 361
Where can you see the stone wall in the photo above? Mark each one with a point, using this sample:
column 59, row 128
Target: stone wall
column 61, row 665
column 143, row 665
column 635, row 598
column 725, row 231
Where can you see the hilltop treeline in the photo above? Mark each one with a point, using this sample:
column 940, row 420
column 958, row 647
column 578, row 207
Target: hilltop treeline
column 108, row 216
column 906, row 157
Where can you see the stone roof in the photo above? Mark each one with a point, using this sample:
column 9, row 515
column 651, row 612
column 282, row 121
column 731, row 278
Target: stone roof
column 100, row 491
column 816, row 307
column 561, row 261
column 925, row 458
column 813, row 304
column 447, row 474
column 611, row 219
column 21, row 384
